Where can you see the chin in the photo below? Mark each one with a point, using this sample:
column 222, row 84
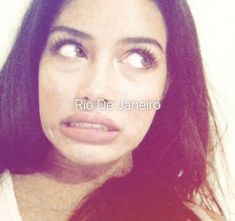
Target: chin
column 90, row 155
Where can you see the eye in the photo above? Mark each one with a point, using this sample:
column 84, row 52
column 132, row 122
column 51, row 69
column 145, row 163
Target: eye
column 136, row 60
column 68, row 48
column 71, row 51
column 140, row 58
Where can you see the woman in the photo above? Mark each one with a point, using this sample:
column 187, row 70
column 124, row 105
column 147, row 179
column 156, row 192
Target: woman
column 69, row 164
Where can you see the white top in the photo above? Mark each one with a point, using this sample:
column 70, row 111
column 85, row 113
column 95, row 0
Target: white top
column 8, row 205
column 9, row 210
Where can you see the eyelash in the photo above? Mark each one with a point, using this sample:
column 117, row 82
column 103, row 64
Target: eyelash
column 57, row 44
column 146, row 53
column 141, row 50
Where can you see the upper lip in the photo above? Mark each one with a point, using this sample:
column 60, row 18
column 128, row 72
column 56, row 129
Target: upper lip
column 93, row 118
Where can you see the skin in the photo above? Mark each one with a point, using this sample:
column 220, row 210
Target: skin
column 109, row 70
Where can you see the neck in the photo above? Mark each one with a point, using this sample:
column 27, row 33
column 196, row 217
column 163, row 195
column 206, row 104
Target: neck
column 62, row 184
column 62, row 170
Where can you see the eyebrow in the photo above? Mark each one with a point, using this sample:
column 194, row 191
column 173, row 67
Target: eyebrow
column 128, row 40
column 141, row 40
column 71, row 31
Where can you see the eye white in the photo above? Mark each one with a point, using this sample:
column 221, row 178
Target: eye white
column 69, row 50
column 136, row 60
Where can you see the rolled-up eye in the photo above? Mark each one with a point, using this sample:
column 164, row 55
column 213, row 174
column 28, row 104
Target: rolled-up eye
column 68, row 48
column 136, row 60
column 139, row 58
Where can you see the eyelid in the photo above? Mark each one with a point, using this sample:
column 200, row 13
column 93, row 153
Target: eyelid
column 143, row 51
column 58, row 43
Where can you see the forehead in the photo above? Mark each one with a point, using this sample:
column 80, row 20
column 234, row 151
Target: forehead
column 111, row 19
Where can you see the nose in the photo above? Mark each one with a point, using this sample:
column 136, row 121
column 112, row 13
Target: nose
column 97, row 82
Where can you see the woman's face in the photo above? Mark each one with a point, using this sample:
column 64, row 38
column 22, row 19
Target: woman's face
column 100, row 50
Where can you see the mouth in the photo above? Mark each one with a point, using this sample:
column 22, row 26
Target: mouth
column 85, row 125
column 94, row 128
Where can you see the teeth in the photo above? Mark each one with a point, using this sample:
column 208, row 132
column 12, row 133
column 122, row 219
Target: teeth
column 88, row 125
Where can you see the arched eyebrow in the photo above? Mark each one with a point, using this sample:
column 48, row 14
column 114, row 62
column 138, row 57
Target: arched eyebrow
column 71, row 31
column 142, row 40
column 128, row 40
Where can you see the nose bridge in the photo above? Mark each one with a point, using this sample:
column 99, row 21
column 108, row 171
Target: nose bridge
column 96, row 82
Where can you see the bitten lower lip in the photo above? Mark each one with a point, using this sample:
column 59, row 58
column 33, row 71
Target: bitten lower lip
column 89, row 135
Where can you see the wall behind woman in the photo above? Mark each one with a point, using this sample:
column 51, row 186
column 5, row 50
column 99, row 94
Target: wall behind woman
column 214, row 20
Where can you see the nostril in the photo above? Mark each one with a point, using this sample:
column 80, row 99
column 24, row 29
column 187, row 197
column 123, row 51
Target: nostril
column 103, row 99
column 85, row 98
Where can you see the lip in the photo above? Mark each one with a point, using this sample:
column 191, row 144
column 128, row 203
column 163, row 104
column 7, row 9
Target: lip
column 89, row 135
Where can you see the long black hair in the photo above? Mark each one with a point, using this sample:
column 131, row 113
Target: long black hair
column 171, row 164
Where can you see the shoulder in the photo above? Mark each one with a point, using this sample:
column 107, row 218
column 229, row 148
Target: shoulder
column 204, row 214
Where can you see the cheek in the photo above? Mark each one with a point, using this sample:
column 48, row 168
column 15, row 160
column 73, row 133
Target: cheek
column 149, row 86
column 56, row 96
column 137, row 121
